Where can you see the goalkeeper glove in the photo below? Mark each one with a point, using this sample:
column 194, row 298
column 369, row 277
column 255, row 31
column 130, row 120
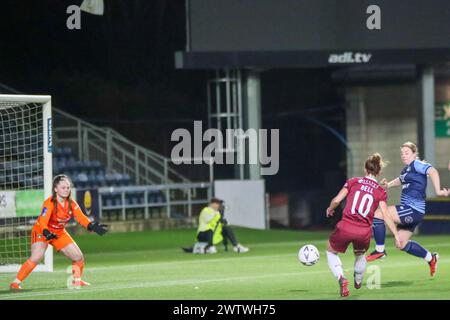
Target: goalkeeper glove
column 49, row 235
column 98, row 228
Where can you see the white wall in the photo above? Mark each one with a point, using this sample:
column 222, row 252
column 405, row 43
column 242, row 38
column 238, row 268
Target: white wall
column 244, row 201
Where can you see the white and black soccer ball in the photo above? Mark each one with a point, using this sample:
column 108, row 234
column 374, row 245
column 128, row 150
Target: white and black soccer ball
column 308, row 255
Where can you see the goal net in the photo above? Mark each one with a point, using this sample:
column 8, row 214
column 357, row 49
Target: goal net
column 25, row 175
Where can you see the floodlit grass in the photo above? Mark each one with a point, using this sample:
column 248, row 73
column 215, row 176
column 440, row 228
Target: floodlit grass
column 151, row 265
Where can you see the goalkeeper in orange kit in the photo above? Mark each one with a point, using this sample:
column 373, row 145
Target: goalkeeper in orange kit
column 49, row 228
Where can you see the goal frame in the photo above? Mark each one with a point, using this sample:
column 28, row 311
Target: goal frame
column 46, row 101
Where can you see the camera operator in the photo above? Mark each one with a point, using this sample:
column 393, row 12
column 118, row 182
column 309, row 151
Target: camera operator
column 214, row 229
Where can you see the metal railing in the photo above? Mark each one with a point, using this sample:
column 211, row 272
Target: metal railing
column 184, row 195
column 117, row 153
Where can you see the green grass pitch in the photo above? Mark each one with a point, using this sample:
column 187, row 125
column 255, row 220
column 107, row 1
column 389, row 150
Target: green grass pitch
column 151, row 265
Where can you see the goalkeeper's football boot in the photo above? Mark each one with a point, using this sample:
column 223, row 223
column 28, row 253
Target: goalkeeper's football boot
column 433, row 263
column 343, row 285
column 14, row 286
column 80, row 283
column 374, row 255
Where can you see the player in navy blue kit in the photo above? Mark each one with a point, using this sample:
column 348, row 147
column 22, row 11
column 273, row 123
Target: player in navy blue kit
column 409, row 214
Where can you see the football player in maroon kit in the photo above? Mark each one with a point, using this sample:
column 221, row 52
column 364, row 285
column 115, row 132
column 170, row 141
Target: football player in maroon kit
column 364, row 196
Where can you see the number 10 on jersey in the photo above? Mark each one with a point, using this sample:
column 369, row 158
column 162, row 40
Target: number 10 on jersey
column 364, row 204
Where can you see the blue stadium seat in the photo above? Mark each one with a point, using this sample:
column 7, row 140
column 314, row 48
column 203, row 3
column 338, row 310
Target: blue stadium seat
column 22, row 167
column 129, row 198
column 38, row 181
column 97, row 164
column 83, row 177
column 135, row 198
column 108, row 200
column 15, row 167
column 126, row 180
column 91, row 174
column 101, row 180
column 56, row 151
column 63, row 153
column 67, row 151
column 3, row 165
column 155, row 197
column 117, row 199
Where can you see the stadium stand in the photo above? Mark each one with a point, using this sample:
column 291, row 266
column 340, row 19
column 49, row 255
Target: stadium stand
column 92, row 175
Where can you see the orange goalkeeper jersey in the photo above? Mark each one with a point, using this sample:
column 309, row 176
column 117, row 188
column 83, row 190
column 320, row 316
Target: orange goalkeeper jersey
column 55, row 219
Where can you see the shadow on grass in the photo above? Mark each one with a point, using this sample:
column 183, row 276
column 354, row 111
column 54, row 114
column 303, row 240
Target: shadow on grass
column 299, row 290
column 19, row 292
column 8, row 292
column 337, row 297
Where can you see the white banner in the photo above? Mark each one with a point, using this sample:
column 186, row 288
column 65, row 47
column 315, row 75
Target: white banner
column 7, row 204
column 244, row 202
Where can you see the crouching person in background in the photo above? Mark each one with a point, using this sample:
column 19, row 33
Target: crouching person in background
column 213, row 229
column 209, row 226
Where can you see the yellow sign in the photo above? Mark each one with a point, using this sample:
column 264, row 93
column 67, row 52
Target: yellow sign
column 88, row 201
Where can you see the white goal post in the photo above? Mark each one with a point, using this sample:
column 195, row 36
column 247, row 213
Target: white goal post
column 25, row 175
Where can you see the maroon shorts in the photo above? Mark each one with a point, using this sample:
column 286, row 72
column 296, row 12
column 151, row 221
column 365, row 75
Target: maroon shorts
column 346, row 233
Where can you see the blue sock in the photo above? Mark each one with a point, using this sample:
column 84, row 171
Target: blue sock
column 415, row 249
column 379, row 231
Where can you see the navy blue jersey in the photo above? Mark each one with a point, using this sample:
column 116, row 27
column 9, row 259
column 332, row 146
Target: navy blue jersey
column 414, row 185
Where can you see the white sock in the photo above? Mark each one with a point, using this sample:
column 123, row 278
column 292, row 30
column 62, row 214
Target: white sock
column 360, row 267
column 17, row 281
column 335, row 264
column 379, row 247
column 428, row 257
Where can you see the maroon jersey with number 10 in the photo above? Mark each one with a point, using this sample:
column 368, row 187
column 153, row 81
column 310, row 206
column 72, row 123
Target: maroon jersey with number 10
column 364, row 195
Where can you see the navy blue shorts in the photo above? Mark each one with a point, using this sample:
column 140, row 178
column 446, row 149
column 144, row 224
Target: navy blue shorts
column 410, row 218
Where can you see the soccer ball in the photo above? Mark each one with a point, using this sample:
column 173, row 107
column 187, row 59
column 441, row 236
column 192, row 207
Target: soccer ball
column 308, row 255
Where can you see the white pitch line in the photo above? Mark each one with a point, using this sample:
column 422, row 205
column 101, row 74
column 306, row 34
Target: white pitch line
column 177, row 263
column 267, row 244
column 153, row 284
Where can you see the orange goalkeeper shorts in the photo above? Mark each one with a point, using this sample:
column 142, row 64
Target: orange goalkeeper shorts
column 63, row 240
